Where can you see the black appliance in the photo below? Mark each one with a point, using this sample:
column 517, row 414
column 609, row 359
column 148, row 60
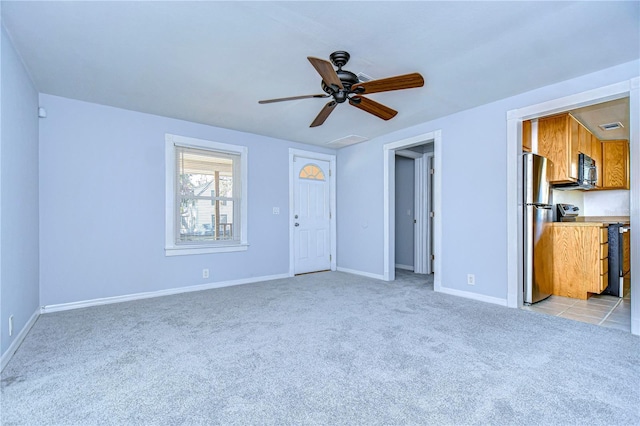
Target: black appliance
column 587, row 175
column 616, row 259
column 567, row 212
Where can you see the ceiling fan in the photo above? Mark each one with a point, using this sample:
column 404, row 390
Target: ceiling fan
column 343, row 85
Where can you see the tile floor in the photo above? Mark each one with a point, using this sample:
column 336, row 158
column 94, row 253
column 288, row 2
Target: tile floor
column 605, row 310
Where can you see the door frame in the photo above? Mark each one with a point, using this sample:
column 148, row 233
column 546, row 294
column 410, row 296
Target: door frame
column 331, row 158
column 428, row 208
column 389, row 233
column 628, row 88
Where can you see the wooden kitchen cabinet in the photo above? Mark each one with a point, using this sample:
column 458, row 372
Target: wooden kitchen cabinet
column 615, row 164
column 526, row 136
column 584, row 140
column 558, row 140
column 596, row 154
column 626, row 254
column 580, row 261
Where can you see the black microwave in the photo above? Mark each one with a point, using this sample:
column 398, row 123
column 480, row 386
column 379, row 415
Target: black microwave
column 587, row 175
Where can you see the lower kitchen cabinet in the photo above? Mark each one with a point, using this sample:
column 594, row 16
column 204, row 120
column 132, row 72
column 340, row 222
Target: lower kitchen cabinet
column 626, row 254
column 580, row 259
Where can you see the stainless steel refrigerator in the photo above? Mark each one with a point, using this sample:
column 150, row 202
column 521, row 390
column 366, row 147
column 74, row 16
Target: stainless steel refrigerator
column 538, row 216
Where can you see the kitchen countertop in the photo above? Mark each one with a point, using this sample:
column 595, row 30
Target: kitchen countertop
column 595, row 221
column 584, row 224
column 604, row 219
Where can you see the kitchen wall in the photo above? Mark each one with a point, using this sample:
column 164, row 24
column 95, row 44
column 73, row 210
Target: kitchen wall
column 405, row 200
column 19, row 195
column 473, row 195
column 607, row 203
column 102, row 204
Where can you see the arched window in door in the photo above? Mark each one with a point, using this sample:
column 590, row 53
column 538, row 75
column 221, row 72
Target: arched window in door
column 311, row 172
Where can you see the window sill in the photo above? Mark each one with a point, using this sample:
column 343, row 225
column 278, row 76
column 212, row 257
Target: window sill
column 189, row 250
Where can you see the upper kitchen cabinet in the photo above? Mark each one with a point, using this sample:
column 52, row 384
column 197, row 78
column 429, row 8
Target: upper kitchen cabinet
column 615, row 164
column 559, row 141
column 596, row 154
column 584, row 140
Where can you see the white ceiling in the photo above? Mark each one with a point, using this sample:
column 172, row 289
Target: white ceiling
column 210, row 62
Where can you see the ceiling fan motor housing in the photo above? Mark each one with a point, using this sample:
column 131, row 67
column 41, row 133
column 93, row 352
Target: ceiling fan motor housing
column 348, row 79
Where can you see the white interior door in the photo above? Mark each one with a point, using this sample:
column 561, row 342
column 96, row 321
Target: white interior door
column 312, row 215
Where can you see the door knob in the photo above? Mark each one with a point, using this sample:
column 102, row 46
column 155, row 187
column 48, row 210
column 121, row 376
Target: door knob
column 297, row 224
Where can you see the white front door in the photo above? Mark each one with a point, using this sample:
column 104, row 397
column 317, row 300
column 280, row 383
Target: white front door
column 312, row 215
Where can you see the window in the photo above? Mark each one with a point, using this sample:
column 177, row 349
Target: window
column 205, row 196
column 312, row 172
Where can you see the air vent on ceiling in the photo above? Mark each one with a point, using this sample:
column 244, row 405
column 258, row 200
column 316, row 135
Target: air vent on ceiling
column 346, row 141
column 363, row 77
column 611, row 126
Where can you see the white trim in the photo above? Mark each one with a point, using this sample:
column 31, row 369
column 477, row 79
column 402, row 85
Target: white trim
column 6, row 357
column 331, row 158
column 474, row 296
column 405, row 267
column 437, row 210
column 514, row 184
column 173, row 249
column 389, row 151
column 361, row 273
column 180, row 251
column 420, row 235
column 428, row 208
column 159, row 293
column 634, row 167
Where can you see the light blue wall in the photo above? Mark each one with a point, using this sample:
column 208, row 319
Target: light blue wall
column 102, row 202
column 19, row 195
column 474, row 198
column 405, row 199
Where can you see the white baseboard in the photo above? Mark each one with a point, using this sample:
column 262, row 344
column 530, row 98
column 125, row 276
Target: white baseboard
column 4, row 360
column 470, row 295
column 405, row 267
column 159, row 293
column 364, row 274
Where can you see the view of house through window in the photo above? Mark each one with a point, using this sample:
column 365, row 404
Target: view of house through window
column 206, row 196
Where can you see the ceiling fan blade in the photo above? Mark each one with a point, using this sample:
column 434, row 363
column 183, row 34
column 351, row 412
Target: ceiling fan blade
column 324, row 113
column 407, row 81
column 292, row 98
column 326, row 71
column 373, row 107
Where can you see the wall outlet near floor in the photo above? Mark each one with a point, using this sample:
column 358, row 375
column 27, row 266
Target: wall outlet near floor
column 205, row 273
column 471, row 279
column 10, row 325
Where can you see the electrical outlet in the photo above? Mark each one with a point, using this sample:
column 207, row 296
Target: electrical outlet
column 276, row 210
column 471, row 279
column 11, row 325
column 205, row 273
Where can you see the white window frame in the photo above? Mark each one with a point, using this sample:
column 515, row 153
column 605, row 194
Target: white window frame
column 173, row 249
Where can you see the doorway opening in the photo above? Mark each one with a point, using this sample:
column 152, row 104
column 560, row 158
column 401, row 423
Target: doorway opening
column 626, row 89
column 423, row 150
column 414, row 209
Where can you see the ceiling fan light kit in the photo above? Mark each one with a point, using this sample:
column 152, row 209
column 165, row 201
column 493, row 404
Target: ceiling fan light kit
column 343, row 85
